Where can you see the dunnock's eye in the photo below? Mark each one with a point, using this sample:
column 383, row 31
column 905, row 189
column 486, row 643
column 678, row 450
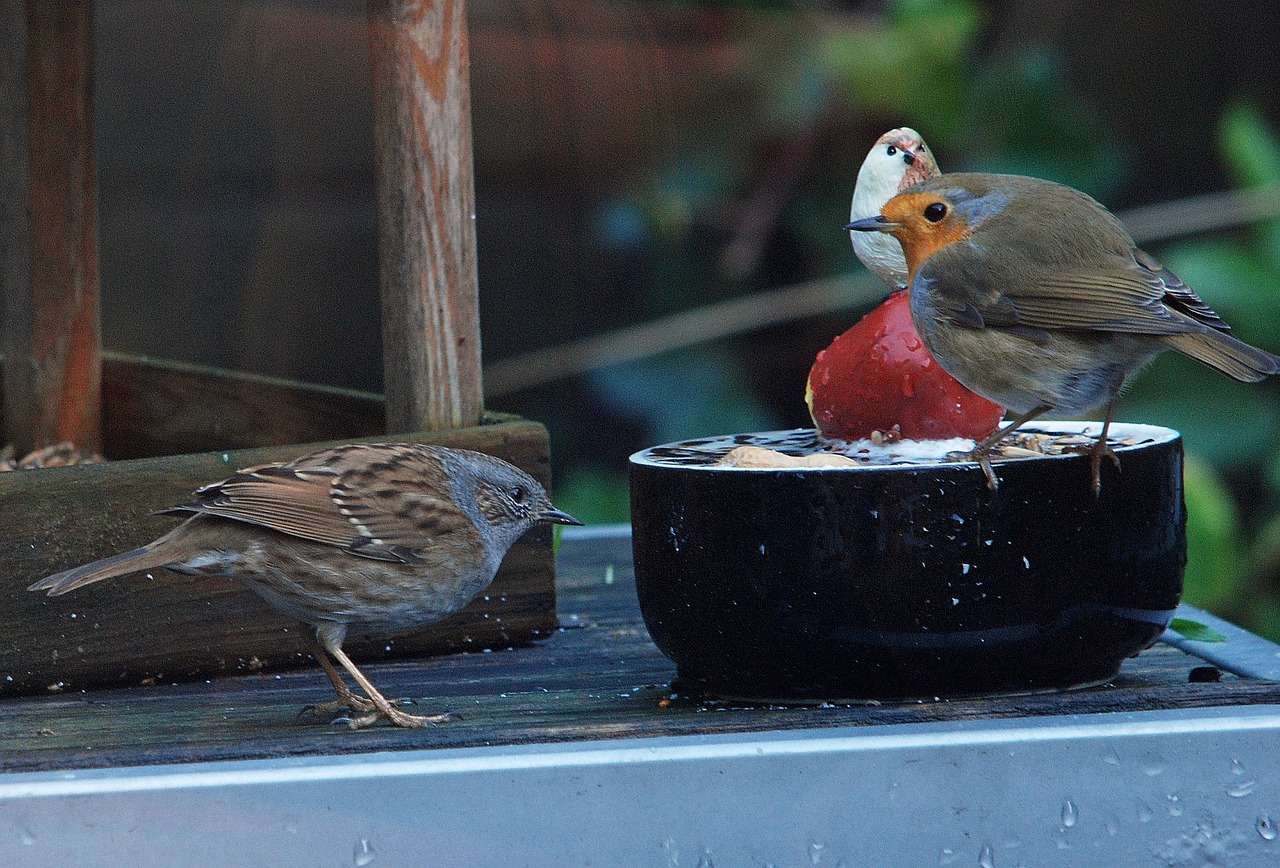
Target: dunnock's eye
column 518, row 493
column 935, row 212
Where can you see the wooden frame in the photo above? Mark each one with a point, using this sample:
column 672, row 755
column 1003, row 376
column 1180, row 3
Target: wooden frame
column 58, row 385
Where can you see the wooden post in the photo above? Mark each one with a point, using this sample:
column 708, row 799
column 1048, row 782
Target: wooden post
column 49, row 224
column 426, row 213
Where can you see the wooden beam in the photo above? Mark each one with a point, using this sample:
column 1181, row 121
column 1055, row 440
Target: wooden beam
column 426, row 213
column 160, row 407
column 48, row 185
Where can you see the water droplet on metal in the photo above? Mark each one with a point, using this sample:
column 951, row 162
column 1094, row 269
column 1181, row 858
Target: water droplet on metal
column 1242, row 789
column 986, row 859
column 363, row 853
column 1145, row 814
column 1175, row 805
column 1111, row 758
column 1266, row 827
column 1069, row 813
column 947, row 856
column 815, row 852
column 1237, row 767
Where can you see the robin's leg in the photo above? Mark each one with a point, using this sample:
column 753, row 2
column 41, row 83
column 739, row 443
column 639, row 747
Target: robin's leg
column 1101, row 448
column 982, row 452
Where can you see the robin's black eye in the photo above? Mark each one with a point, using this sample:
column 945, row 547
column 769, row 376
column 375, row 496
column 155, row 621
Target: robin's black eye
column 891, row 150
column 518, row 493
column 935, row 212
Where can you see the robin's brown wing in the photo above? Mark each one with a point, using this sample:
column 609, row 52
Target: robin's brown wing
column 383, row 501
column 1116, row 293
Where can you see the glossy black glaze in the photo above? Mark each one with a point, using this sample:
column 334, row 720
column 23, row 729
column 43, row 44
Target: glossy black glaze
column 908, row 581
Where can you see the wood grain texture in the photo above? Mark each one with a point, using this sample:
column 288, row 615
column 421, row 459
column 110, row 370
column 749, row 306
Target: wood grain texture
column 133, row 630
column 51, row 270
column 156, row 407
column 426, row 213
column 599, row 677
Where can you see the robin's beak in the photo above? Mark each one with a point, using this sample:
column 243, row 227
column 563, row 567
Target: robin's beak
column 871, row 224
column 556, row 516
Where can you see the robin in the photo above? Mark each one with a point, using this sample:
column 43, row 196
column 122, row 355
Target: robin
column 1034, row 296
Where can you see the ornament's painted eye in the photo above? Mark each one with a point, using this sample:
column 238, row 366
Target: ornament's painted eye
column 935, row 212
column 891, row 150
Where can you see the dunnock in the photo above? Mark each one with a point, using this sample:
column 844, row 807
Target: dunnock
column 380, row 537
column 1033, row 295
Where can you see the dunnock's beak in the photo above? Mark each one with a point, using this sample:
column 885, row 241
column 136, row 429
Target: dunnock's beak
column 558, row 517
column 871, row 224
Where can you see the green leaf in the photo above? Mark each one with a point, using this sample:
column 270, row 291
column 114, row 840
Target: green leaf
column 912, row 67
column 595, row 495
column 1250, row 146
column 1195, row 631
column 1251, row 150
column 1215, row 574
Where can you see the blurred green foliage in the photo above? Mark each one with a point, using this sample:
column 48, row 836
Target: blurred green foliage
column 921, row 63
column 1231, row 430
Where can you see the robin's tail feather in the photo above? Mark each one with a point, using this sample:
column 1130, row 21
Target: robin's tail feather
column 1225, row 354
column 150, row 556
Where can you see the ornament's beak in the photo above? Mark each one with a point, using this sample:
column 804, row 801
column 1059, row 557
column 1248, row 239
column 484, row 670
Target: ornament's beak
column 556, row 516
column 871, row 224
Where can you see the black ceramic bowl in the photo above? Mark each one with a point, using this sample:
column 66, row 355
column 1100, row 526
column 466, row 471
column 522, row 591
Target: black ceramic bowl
column 906, row 580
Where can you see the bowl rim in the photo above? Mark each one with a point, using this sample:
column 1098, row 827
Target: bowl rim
column 1146, row 435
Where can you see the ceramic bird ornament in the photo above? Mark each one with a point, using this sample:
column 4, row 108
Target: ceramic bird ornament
column 899, row 159
column 877, row 378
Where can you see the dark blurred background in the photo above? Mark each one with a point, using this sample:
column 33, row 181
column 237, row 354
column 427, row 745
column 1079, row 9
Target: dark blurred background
column 639, row 159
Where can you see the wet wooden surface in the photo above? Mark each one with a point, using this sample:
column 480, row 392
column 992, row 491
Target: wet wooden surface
column 597, row 677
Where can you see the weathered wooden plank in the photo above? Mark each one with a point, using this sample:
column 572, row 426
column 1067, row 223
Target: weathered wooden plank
column 155, row 407
column 15, row 219
column 51, row 329
column 132, row 630
column 598, row 677
column 426, row 213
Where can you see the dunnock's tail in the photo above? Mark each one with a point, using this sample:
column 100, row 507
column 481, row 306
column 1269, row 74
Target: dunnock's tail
column 165, row 550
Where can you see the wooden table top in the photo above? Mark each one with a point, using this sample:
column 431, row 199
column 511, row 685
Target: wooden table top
column 598, row 677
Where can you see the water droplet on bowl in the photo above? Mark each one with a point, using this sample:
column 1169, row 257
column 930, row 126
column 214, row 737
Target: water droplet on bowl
column 1069, row 813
